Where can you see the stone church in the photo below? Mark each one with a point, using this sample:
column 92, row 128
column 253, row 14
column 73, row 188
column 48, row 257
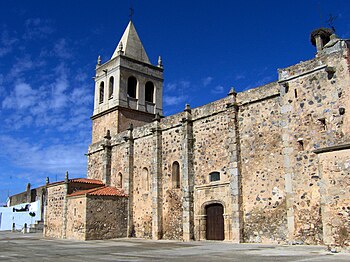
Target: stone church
column 267, row 165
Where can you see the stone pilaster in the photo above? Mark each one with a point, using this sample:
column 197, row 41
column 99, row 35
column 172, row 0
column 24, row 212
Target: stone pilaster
column 187, row 173
column 106, row 159
column 130, row 170
column 234, row 170
column 156, row 174
column 287, row 151
column 65, row 207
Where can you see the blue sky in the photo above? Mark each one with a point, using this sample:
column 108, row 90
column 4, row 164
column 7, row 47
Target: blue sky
column 48, row 52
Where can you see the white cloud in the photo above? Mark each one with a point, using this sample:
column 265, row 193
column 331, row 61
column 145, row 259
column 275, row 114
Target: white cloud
column 207, row 81
column 185, row 84
column 171, row 87
column 60, row 49
column 239, row 77
column 174, row 100
column 22, row 65
column 218, row 90
column 22, row 97
column 37, row 28
column 52, row 159
column 59, row 87
column 6, row 43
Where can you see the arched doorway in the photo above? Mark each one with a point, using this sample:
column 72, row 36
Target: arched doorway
column 215, row 222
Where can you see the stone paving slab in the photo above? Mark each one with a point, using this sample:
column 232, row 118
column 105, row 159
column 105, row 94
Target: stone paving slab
column 33, row 247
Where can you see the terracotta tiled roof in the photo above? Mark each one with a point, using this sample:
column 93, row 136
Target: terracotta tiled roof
column 86, row 181
column 100, row 191
column 107, row 191
column 79, row 180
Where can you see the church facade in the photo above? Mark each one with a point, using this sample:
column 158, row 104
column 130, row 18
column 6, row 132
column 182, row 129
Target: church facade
column 271, row 164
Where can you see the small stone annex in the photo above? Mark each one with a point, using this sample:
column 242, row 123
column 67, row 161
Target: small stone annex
column 270, row 165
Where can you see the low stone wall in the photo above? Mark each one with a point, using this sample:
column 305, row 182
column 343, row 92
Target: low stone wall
column 106, row 217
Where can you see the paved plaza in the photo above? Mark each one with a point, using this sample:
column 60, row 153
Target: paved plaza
column 33, row 247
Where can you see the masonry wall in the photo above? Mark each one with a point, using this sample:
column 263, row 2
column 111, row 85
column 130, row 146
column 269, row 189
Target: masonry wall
column 137, row 119
column 311, row 118
column 335, row 201
column 276, row 196
column 142, row 189
column 76, row 218
column 263, row 184
column 172, row 196
column 211, row 154
column 31, row 196
column 105, row 122
column 95, row 161
column 119, row 165
column 106, row 217
column 56, row 196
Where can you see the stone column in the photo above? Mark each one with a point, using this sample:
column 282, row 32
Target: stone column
column 234, row 169
column 157, row 187
column 130, row 170
column 65, row 207
column 47, row 182
column 187, row 177
column 288, row 151
column 106, row 159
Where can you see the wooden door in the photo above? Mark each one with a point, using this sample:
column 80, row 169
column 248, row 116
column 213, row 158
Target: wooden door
column 215, row 222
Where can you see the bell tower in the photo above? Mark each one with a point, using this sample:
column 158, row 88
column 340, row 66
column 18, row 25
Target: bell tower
column 128, row 88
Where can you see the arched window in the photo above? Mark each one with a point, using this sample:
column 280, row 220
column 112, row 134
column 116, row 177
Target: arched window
column 175, row 173
column 111, row 86
column 145, row 179
column 120, row 180
column 149, row 90
column 214, row 176
column 132, row 83
column 102, row 91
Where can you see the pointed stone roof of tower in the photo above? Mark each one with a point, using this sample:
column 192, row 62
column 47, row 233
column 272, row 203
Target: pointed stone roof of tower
column 131, row 44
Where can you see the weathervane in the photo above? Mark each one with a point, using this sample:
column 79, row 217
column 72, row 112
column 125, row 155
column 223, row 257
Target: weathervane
column 330, row 22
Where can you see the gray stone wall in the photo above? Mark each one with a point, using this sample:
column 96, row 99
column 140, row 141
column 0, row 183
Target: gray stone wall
column 106, row 217
column 54, row 214
column 76, row 218
column 263, row 183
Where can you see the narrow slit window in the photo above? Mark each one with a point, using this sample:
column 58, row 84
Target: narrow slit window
column 300, row 145
column 176, row 174
column 120, row 180
column 145, row 179
column 322, row 123
column 295, row 93
column 102, row 91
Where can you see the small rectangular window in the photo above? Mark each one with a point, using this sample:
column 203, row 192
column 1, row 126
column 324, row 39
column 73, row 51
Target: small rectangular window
column 214, row 176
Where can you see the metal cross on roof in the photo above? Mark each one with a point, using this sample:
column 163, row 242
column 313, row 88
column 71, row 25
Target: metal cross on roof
column 131, row 13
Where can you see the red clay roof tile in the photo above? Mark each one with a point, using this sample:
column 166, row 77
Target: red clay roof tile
column 86, row 181
column 100, row 191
